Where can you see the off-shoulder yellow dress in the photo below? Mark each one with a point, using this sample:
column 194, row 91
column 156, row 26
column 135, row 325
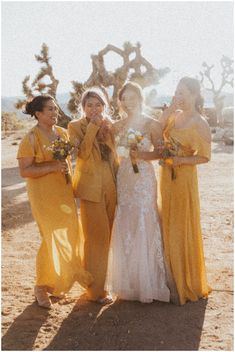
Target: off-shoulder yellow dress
column 58, row 263
column 179, row 210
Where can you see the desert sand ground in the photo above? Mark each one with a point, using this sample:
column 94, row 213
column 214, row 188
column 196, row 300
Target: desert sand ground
column 79, row 325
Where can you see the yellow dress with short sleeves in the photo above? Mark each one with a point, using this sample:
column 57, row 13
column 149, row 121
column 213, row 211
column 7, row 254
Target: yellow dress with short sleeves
column 179, row 210
column 59, row 261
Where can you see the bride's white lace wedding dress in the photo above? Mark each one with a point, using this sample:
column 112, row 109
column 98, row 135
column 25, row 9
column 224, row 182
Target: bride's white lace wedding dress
column 136, row 269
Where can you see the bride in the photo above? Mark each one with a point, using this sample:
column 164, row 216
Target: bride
column 136, row 268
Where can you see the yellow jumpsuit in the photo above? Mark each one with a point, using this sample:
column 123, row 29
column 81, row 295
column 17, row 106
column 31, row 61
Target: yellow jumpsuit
column 94, row 183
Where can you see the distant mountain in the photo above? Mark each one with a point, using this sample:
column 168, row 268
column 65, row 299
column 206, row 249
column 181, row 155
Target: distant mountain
column 7, row 103
column 208, row 99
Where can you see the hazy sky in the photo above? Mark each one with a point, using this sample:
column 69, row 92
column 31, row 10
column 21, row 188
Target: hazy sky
column 179, row 35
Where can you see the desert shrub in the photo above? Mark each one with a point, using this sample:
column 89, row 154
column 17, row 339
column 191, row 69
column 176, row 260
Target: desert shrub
column 11, row 122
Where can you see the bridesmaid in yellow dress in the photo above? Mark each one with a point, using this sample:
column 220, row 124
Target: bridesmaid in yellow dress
column 187, row 131
column 58, row 263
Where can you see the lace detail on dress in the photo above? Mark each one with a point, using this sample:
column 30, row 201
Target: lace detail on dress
column 136, row 263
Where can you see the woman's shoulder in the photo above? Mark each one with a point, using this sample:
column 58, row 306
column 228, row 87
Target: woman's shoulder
column 118, row 125
column 30, row 135
column 77, row 121
column 76, row 125
column 203, row 128
column 152, row 123
column 27, row 144
column 201, row 121
column 61, row 129
column 120, row 122
column 147, row 118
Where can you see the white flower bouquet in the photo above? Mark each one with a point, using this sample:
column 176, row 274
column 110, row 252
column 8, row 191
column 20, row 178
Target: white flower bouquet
column 132, row 139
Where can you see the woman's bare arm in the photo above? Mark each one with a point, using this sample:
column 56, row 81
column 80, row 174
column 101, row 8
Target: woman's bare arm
column 29, row 168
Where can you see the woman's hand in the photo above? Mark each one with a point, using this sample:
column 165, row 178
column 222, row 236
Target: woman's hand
column 97, row 120
column 29, row 168
column 60, row 166
column 160, row 147
column 134, row 154
column 105, row 128
column 177, row 161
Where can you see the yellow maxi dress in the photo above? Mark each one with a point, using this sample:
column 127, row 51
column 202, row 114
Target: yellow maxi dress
column 58, row 263
column 179, row 210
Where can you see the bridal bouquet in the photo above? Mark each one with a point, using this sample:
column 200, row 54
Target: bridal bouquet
column 61, row 149
column 132, row 139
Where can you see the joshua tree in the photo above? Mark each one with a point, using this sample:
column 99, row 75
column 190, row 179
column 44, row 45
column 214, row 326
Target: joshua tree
column 136, row 69
column 226, row 79
column 39, row 86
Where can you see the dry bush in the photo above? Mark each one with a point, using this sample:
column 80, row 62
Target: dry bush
column 11, row 122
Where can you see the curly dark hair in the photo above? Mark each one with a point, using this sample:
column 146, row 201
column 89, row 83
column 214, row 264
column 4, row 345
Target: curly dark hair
column 37, row 104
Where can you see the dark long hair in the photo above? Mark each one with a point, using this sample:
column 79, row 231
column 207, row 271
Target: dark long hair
column 194, row 87
column 37, row 104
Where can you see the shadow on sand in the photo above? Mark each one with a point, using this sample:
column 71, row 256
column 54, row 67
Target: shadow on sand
column 24, row 330
column 14, row 214
column 121, row 326
column 131, row 326
column 11, row 176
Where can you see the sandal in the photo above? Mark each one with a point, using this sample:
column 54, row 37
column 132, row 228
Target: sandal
column 42, row 298
column 105, row 300
column 51, row 290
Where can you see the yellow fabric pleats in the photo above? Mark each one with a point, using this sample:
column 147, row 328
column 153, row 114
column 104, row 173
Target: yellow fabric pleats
column 179, row 210
column 59, row 262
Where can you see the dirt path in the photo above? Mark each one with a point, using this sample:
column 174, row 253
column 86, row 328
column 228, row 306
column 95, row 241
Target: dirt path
column 78, row 325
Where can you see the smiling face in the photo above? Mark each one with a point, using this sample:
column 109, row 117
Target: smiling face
column 130, row 101
column 93, row 107
column 49, row 113
column 184, row 98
